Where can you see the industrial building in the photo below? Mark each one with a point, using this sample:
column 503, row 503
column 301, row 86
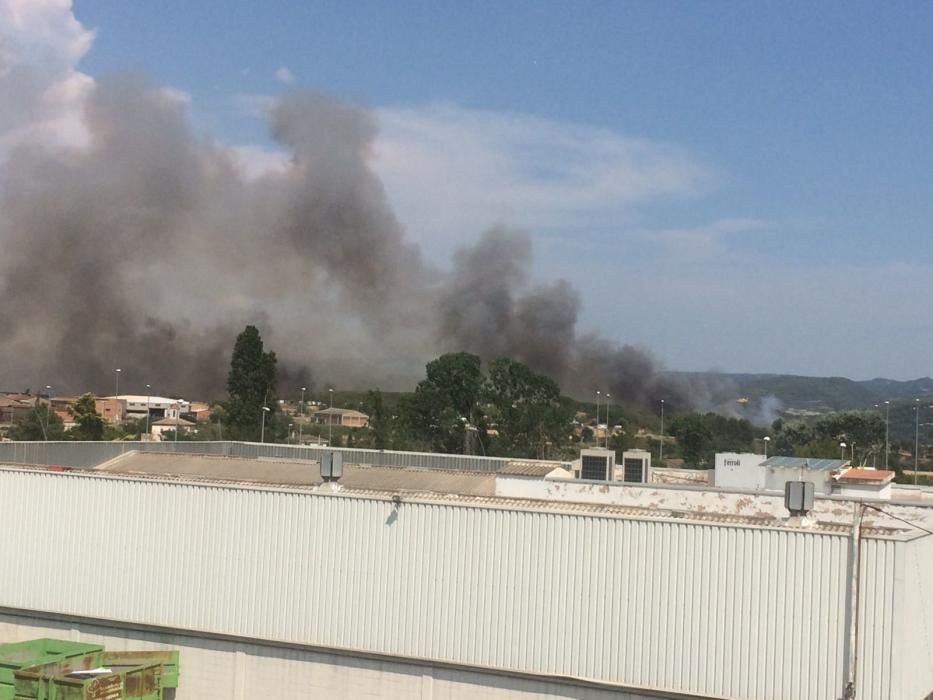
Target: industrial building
column 447, row 576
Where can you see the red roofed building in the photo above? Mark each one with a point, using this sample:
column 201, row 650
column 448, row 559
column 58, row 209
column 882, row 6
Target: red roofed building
column 861, row 482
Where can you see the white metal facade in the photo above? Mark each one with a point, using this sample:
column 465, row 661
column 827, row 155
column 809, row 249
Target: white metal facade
column 709, row 608
column 221, row 669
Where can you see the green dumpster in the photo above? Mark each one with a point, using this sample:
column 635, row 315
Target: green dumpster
column 36, row 652
column 48, row 669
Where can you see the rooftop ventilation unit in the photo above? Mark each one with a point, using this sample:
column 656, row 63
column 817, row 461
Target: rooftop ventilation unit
column 331, row 466
column 597, row 464
column 636, row 467
column 798, row 496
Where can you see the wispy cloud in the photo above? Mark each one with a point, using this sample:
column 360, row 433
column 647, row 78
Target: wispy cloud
column 452, row 171
column 706, row 239
column 284, row 75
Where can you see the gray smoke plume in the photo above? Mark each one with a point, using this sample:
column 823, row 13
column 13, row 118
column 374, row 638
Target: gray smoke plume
column 490, row 309
column 149, row 250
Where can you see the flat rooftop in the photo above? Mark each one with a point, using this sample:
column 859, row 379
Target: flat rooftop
column 299, row 472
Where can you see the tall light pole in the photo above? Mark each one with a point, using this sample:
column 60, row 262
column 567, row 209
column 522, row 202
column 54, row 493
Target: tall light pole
column 596, row 432
column 116, row 373
column 917, row 441
column 177, row 415
column 607, row 419
column 301, row 410
column 842, row 451
column 48, row 412
column 148, row 399
column 767, row 440
column 887, row 422
column 661, row 447
column 330, row 420
column 262, row 432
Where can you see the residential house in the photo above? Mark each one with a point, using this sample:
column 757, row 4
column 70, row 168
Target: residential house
column 346, row 417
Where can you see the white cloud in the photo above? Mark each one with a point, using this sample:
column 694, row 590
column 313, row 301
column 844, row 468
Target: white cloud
column 284, row 76
column 41, row 90
column 707, row 239
column 451, row 171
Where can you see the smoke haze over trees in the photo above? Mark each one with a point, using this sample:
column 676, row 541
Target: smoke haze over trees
column 147, row 248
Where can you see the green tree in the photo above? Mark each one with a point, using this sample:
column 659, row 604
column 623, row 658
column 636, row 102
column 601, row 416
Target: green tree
column 821, row 438
column 39, row 424
column 89, row 424
column 526, row 409
column 250, row 385
column 445, row 403
column 693, row 437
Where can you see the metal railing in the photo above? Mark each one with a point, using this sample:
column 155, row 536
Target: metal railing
column 91, row 454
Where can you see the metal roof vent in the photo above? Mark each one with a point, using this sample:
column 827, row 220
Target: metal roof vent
column 331, row 466
column 798, row 497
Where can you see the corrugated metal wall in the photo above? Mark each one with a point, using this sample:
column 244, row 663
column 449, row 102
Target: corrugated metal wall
column 912, row 650
column 89, row 454
column 221, row 669
column 727, row 611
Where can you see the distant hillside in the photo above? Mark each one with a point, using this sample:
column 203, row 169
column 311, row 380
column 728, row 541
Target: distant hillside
column 892, row 389
column 808, row 393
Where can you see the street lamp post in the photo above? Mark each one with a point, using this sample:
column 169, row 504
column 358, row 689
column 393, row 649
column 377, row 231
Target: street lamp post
column 262, row 432
column 330, row 420
column 596, row 432
column 767, row 440
column 917, row 441
column 116, row 373
column 301, row 411
column 842, row 451
column 48, row 412
column 177, row 414
column 887, row 423
column 607, row 420
column 148, row 401
column 661, row 446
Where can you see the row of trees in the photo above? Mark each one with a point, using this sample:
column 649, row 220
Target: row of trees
column 457, row 407
column 862, row 431
column 700, row 436
column 503, row 409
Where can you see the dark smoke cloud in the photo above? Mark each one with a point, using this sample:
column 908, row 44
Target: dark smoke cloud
column 148, row 250
column 490, row 309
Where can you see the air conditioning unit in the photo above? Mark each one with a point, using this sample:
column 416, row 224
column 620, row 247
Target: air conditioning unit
column 636, row 467
column 596, row 464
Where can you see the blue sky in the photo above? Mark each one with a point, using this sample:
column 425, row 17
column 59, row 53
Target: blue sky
column 783, row 223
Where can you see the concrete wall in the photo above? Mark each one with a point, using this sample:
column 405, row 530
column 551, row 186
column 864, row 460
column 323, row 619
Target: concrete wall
column 231, row 669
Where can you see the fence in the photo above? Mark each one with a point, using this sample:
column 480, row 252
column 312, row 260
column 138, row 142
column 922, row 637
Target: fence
column 90, row 454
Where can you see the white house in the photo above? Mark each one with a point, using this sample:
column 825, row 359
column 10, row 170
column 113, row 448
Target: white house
column 164, row 425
